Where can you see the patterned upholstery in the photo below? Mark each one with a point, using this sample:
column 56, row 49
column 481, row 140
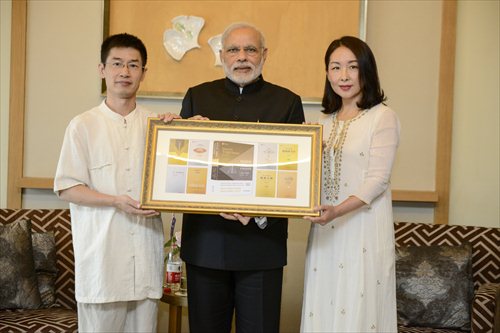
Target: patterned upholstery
column 62, row 316
column 403, row 329
column 44, row 320
column 486, row 301
column 485, row 265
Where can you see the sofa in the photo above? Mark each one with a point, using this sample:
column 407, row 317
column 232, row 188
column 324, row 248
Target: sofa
column 484, row 247
column 484, row 270
column 59, row 314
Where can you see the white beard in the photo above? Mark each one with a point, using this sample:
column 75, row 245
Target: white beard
column 244, row 78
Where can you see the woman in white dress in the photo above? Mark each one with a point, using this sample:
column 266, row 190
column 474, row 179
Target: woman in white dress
column 350, row 266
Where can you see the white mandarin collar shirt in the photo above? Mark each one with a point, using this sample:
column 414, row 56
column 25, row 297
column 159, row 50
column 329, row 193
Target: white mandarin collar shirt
column 118, row 256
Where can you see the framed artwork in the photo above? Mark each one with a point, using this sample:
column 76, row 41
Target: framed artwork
column 209, row 167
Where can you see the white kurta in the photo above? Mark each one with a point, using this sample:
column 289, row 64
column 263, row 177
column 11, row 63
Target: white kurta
column 350, row 265
column 118, row 256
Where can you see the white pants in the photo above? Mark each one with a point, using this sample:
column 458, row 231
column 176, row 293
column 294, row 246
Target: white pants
column 131, row 316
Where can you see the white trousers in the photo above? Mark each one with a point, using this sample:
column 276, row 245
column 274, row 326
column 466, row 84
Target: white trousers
column 131, row 316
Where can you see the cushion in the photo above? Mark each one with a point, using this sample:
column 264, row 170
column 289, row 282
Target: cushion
column 18, row 283
column 44, row 255
column 434, row 286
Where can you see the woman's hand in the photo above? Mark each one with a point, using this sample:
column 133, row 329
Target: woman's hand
column 327, row 214
column 236, row 217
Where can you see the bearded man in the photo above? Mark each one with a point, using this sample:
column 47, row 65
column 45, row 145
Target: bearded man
column 234, row 262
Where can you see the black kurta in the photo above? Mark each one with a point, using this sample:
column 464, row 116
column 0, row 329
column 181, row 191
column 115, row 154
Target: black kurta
column 209, row 240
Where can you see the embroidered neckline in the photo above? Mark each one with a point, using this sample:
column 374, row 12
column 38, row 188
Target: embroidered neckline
column 333, row 151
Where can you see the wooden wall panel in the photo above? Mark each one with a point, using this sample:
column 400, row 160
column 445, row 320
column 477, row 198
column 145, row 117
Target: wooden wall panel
column 297, row 35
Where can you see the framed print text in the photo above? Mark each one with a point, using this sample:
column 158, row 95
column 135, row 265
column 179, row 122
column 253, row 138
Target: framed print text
column 256, row 169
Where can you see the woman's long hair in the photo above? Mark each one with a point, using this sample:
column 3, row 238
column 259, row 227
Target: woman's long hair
column 371, row 93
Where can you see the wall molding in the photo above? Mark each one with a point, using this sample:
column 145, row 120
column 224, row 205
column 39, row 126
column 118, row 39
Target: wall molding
column 440, row 197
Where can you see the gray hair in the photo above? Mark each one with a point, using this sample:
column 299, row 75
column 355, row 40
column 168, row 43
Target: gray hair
column 242, row 25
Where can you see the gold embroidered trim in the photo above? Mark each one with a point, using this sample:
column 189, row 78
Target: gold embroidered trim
column 333, row 151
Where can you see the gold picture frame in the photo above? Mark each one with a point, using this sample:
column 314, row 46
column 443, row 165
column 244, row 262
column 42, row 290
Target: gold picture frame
column 209, row 167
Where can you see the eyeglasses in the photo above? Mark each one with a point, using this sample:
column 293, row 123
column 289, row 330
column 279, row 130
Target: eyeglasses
column 249, row 50
column 132, row 66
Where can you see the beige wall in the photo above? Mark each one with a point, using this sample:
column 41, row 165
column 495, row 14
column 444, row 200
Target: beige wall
column 405, row 38
column 409, row 74
column 475, row 175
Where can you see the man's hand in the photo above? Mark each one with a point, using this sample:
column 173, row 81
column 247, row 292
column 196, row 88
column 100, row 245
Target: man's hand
column 168, row 117
column 198, row 117
column 82, row 195
column 131, row 206
column 236, row 217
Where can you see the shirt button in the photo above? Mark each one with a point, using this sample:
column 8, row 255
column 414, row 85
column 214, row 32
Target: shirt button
column 126, row 148
column 127, row 169
column 129, row 190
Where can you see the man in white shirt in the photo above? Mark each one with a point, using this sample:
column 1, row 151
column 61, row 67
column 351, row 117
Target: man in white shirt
column 118, row 246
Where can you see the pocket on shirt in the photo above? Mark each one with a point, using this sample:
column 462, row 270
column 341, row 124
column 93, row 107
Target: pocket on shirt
column 101, row 177
column 99, row 166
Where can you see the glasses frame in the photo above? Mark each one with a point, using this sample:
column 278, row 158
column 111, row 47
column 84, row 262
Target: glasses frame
column 122, row 65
